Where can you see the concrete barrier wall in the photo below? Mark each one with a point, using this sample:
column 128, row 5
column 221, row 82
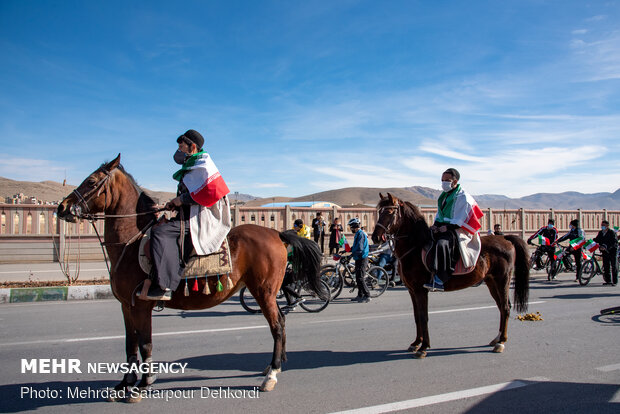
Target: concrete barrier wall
column 31, row 233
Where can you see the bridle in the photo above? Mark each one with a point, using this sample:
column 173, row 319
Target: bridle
column 84, row 199
column 387, row 229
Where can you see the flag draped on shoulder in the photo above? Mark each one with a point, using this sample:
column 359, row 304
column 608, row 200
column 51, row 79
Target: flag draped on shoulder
column 460, row 208
column 202, row 179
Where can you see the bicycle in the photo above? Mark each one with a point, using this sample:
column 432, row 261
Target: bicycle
column 543, row 257
column 311, row 302
column 563, row 261
column 343, row 273
column 590, row 269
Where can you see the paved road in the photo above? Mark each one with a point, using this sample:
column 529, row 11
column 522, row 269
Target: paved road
column 350, row 356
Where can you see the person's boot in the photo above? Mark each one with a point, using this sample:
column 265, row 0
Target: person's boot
column 157, row 293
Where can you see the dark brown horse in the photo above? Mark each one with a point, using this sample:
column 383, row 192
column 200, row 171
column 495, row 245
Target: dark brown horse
column 258, row 254
column 500, row 256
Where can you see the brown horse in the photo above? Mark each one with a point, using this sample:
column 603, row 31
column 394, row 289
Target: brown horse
column 259, row 258
column 500, row 256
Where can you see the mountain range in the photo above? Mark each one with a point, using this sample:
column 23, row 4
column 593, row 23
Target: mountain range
column 354, row 196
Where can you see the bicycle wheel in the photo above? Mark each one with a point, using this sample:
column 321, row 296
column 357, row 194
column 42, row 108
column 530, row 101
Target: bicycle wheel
column 247, row 301
column 312, row 303
column 330, row 275
column 377, row 281
column 587, row 272
column 554, row 268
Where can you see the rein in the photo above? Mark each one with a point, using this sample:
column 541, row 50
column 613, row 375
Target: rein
column 76, row 211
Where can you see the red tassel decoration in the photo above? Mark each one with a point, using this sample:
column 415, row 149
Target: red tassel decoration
column 195, row 288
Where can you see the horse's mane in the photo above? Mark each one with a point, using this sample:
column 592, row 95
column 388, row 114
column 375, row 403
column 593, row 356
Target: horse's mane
column 145, row 200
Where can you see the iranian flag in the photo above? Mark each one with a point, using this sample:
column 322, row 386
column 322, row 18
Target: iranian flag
column 585, row 255
column 202, row 179
column 558, row 254
column 343, row 243
column 543, row 241
column 577, row 243
column 591, row 246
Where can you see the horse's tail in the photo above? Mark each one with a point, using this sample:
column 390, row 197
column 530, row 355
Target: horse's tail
column 305, row 257
column 522, row 273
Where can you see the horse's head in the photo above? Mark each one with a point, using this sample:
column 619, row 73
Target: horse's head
column 91, row 196
column 388, row 210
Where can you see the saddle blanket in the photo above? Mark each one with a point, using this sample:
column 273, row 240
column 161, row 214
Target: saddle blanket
column 218, row 263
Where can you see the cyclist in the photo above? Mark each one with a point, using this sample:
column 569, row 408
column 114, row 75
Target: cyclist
column 575, row 233
column 359, row 251
column 288, row 284
column 301, row 229
column 550, row 233
column 606, row 238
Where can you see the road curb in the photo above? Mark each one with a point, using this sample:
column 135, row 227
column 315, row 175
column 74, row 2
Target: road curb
column 55, row 293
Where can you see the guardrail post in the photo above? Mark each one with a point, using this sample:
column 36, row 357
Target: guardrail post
column 522, row 223
column 490, row 219
column 287, row 217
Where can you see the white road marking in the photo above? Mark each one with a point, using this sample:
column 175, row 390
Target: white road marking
column 609, row 368
column 440, row 398
column 396, row 315
column 48, row 271
column 241, row 328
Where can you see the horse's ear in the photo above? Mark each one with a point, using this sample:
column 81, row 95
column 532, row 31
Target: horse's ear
column 114, row 163
column 381, row 196
column 392, row 198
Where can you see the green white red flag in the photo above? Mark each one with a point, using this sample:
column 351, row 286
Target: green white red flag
column 591, row 246
column 577, row 243
column 543, row 241
column 343, row 243
column 558, row 254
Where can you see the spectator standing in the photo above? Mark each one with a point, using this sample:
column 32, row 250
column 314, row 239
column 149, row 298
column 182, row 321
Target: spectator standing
column 606, row 238
column 318, row 228
column 335, row 233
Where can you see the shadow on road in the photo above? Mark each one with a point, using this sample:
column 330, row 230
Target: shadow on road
column 552, row 397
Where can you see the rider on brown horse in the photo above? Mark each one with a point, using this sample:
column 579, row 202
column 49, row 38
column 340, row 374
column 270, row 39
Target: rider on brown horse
column 456, row 221
column 203, row 216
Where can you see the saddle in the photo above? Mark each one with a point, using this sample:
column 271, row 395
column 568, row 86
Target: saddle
column 469, row 249
column 217, row 264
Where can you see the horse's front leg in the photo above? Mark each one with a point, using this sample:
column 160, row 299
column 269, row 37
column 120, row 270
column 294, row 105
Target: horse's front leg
column 415, row 345
column 421, row 315
column 131, row 351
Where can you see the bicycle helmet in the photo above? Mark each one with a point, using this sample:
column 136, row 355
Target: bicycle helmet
column 354, row 222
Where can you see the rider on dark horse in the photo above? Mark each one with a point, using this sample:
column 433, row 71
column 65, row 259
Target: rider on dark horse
column 203, row 214
column 457, row 220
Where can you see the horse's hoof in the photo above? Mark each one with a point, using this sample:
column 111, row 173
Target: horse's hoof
column 413, row 348
column 270, row 381
column 498, row 348
column 419, row 354
column 269, row 369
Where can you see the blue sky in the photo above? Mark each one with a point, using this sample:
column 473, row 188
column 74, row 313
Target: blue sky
column 295, row 97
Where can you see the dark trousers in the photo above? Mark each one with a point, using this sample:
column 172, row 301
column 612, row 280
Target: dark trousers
column 577, row 255
column 445, row 254
column 165, row 253
column 319, row 239
column 360, row 271
column 288, row 287
column 540, row 250
column 609, row 260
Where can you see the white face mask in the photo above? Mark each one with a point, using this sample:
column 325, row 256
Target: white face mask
column 446, row 186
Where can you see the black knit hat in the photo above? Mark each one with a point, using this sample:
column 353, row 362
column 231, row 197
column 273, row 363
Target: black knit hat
column 453, row 172
column 192, row 137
